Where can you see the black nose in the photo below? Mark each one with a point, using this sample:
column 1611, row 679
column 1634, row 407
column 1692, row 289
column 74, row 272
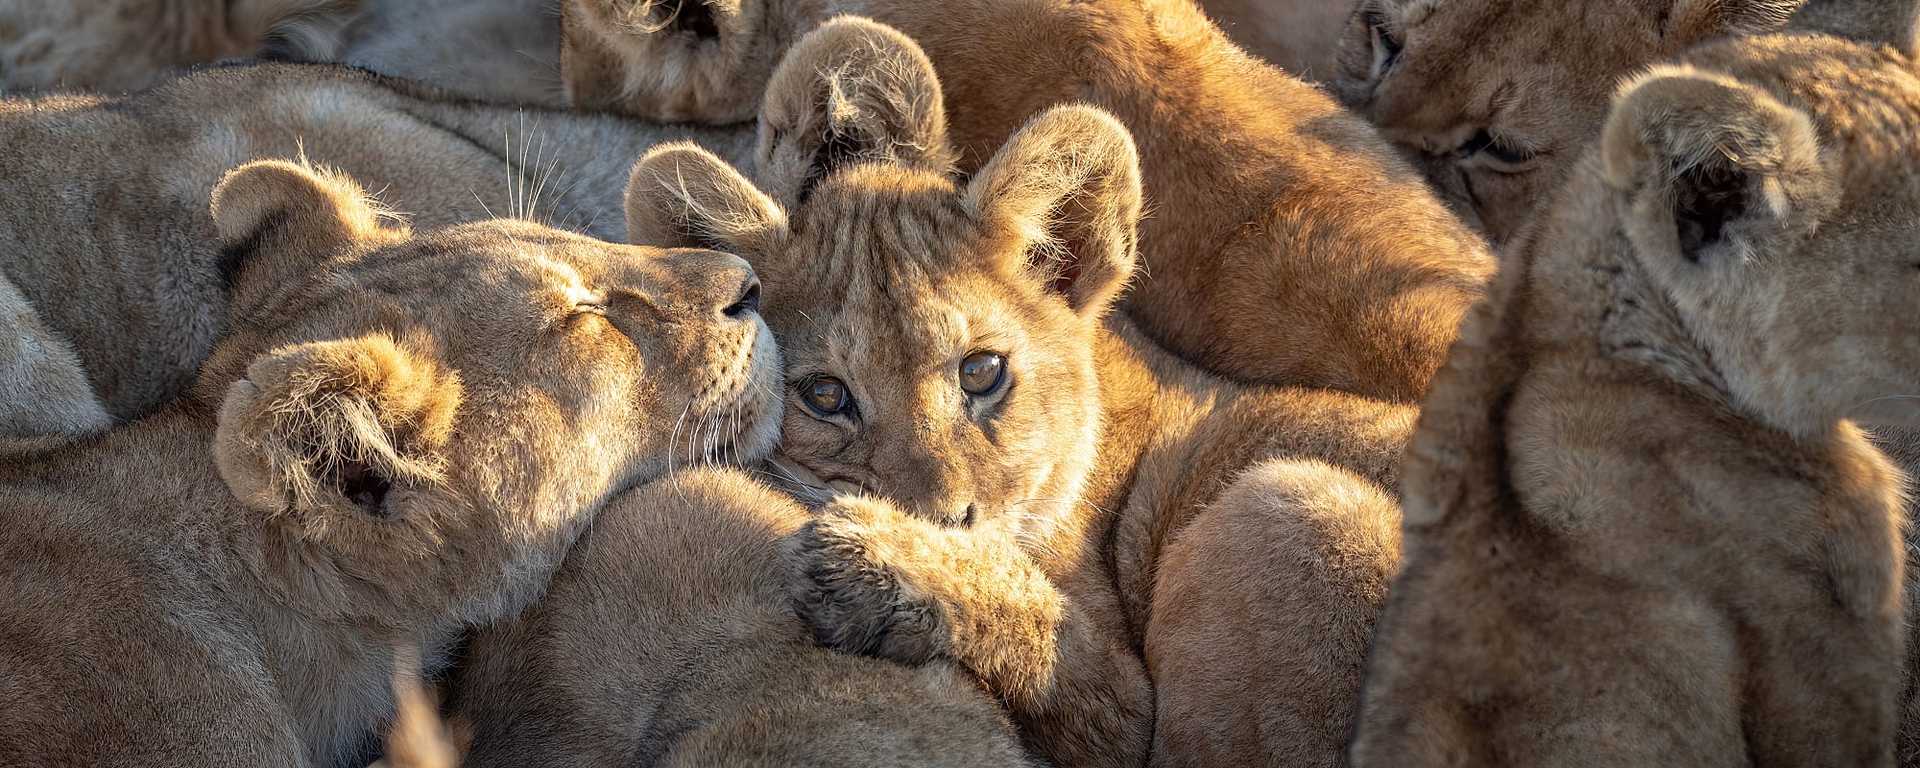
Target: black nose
column 748, row 302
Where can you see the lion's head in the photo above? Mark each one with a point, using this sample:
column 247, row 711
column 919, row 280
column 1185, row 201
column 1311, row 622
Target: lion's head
column 940, row 335
column 425, row 421
column 1495, row 99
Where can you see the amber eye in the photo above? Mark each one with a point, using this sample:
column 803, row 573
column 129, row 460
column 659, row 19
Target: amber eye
column 826, row 395
column 982, row 373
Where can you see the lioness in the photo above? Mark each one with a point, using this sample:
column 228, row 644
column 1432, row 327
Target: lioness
column 1641, row 528
column 400, row 435
column 106, row 240
column 1287, row 243
column 125, row 45
column 667, row 638
column 1066, row 511
column 1496, row 99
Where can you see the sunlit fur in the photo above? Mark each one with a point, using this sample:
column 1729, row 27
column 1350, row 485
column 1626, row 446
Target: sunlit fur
column 668, row 638
column 1285, row 242
column 1537, row 75
column 131, row 283
column 1639, row 521
column 399, row 436
column 1055, row 539
column 114, row 46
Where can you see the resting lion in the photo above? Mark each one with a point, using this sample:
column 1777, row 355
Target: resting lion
column 115, row 46
column 365, row 461
column 118, row 265
column 1498, row 98
column 1287, row 244
column 1095, row 529
column 1641, row 527
column 1299, row 36
column 667, row 638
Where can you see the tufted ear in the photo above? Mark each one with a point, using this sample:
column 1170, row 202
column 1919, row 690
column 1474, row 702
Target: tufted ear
column 326, row 431
column 682, row 196
column 1693, row 21
column 1712, row 172
column 851, row 91
column 276, row 219
column 1892, row 22
column 1067, row 187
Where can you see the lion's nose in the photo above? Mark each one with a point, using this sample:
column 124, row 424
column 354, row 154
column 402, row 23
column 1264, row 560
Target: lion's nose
column 749, row 302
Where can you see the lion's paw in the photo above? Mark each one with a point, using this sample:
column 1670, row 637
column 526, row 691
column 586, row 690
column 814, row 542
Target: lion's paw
column 850, row 577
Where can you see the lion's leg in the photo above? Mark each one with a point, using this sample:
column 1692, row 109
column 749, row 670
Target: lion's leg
column 1262, row 612
column 43, row 389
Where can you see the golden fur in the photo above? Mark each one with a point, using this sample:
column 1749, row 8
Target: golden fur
column 116, row 46
column 1640, row 526
column 1496, row 99
column 1038, row 535
column 118, row 260
column 1299, row 36
column 668, row 639
column 365, row 462
column 1286, row 243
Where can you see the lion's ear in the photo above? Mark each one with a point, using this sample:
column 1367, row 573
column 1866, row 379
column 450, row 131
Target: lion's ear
column 682, row 196
column 276, row 220
column 1067, row 189
column 1693, row 21
column 1712, row 172
column 327, row 430
column 851, row 91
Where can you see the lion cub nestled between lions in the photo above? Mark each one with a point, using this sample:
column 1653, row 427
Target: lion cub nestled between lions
column 1639, row 522
column 366, row 462
column 1094, row 529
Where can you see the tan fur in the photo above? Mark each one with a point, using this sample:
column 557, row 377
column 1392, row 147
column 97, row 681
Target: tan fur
column 116, row 46
column 118, row 259
column 1640, row 528
column 1286, row 243
column 1535, row 76
column 668, row 639
column 1025, row 536
column 365, row 462
column 505, row 51
column 1299, row 36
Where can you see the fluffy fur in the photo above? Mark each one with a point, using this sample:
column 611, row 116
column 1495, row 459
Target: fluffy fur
column 668, row 639
column 1299, row 36
column 119, row 261
column 116, row 46
column 1640, row 525
column 1496, row 99
column 364, row 463
column 1034, row 534
column 505, row 51
column 1286, row 243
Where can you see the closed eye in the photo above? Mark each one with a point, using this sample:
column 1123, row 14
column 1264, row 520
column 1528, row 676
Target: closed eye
column 1387, row 46
column 1505, row 156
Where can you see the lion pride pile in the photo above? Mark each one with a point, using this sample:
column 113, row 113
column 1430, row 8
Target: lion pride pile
column 959, row 383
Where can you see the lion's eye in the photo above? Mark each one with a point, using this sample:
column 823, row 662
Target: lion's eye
column 1492, row 147
column 826, row 395
column 983, row 373
column 1386, row 45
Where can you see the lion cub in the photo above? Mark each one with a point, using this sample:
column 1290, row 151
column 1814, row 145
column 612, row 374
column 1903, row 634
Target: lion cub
column 668, row 638
column 400, row 436
column 1641, row 528
column 1288, row 244
column 1094, row 529
column 115, row 46
column 1496, row 98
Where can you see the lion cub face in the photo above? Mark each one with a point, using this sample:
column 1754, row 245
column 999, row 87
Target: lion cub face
column 1495, row 99
column 1768, row 189
column 422, row 414
column 939, row 338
